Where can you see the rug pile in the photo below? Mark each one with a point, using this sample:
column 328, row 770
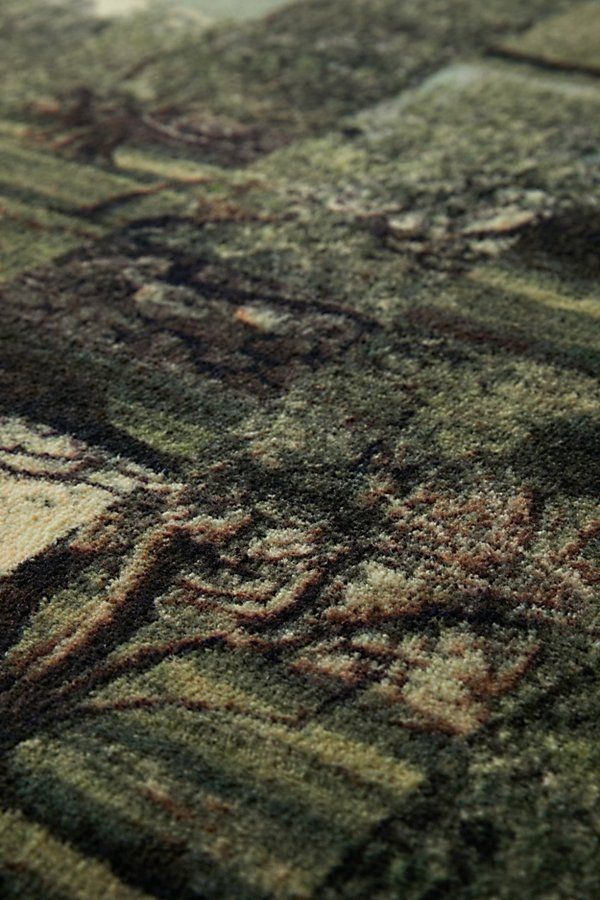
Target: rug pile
column 299, row 432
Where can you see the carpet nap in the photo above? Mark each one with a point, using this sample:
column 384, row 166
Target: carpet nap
column 299, row 450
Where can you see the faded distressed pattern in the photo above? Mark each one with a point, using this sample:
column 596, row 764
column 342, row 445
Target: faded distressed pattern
column 299, row 433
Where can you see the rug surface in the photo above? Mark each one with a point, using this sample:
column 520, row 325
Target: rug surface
column 299, row 433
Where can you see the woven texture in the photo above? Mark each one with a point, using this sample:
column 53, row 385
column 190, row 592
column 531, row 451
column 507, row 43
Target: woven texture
column 299, row 432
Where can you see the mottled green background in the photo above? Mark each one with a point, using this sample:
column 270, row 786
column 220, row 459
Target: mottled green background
column 298, row 453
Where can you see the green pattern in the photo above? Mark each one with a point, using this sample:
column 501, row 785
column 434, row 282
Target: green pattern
column 298, row 451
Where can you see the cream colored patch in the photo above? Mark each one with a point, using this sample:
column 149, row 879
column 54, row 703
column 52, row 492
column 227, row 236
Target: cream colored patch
column 18, row 436
column 283, row 543
column 31, row 449
column 448, row 683
column 503, row 222
column 118, row 481
column 35, row 514
column 33, row 465
column 52, row 483
column 382, row 593
column 269, row 442
column 260, row 318
column 442, row 687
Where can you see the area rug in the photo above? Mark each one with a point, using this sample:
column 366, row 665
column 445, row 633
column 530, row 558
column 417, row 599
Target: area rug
column 299, row 433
